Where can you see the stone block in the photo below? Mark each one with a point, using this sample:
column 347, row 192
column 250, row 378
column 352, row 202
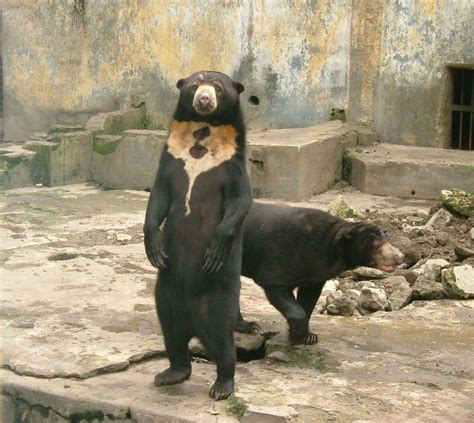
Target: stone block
column 295, row 164
column 114, row 123
column 15, row 166
column 77, row 157
column 405, row 171
column 59, row 129
column 62, row 159
column 129, row 161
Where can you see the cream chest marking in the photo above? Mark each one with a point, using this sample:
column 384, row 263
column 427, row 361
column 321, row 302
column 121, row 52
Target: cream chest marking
column 221, row 145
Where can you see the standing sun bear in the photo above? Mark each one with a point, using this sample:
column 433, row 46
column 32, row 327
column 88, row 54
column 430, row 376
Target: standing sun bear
column 203, row 191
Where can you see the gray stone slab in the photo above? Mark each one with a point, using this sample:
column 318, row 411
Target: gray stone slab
column 295, row 164
column 404, row 171
column 131, row 163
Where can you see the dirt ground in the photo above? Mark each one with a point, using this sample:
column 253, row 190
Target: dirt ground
column 81, row 341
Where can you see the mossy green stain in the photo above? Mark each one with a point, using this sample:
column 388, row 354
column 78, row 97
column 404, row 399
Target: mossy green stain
column 306, row 358
column 105, row 144
column 236, row 407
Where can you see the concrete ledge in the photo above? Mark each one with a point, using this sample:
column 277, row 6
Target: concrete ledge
column 417, row 172
column 129, row 161
column 116, row 122
column 295, row 164
column 61, row 159
column 15, row 166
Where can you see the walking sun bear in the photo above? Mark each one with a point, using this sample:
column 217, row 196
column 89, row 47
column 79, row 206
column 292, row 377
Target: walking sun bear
column 292, row 247
column 203, row 191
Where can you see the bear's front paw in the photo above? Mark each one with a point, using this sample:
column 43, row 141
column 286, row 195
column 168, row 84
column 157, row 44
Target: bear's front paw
column 217, row 253
column 154, row 249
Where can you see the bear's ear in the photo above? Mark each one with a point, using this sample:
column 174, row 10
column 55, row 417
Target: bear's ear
column 238, row 86
column 180, row 83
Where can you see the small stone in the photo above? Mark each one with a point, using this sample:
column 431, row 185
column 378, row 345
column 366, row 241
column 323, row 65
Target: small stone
column 442, row 238
column 400, row 295
column 426, row 288
column 431, row 266
column 472, row 234
column 391, row 283
column 340, row 304
column 371, row 300
column 463, row 252
column 365, row 284
column 330, row 286
column 463, row 228
column 278, row 356
column 38, row 185
column 369, row 272
column 458, row 281
column 439, row 220
column 123, row 238
column 408, row 274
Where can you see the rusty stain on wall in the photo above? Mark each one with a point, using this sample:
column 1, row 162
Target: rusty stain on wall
column 384, row 61
column 68, row 60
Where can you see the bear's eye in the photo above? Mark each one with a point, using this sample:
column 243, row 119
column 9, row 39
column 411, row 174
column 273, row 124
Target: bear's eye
column 194, row 87
column 218, row 89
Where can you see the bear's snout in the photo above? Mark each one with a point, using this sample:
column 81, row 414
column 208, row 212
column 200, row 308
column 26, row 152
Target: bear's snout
column 204, row 99
column 387, row 257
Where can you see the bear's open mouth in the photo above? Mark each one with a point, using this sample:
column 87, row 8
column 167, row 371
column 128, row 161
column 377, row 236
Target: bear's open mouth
column 388, row 267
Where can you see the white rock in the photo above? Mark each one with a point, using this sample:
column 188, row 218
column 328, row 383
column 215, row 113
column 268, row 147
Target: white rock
column 439, row 220
column 369, row 272
column 372, row 299
column 431, row 265
column 330, row 286
column 472, row 234
column 458, row 282
column 123, row 237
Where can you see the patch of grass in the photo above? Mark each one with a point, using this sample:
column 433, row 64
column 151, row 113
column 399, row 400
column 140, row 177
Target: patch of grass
column 306, row 358
column 236, row 407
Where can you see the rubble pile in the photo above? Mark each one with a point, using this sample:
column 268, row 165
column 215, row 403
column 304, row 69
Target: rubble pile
column 439, row 251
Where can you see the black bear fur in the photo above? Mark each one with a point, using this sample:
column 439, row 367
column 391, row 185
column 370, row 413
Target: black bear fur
column 203, row 191
column 292, row 247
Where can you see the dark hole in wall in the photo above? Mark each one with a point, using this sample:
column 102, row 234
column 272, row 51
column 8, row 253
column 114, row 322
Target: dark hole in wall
column 254, row 101
column 462, row 114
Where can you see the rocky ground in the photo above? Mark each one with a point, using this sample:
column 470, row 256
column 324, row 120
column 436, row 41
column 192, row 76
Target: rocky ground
column 81, row 341
column 439, row 255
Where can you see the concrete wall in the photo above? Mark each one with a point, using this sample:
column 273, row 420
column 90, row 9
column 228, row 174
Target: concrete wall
column 413, row 93
column 67, row 60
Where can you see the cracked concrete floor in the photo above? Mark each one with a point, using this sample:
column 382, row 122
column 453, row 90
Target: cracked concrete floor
column 80, row 338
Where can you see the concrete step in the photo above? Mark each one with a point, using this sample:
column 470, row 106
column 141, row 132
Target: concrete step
column 404, row 171
column 127, row 161
column 64, row 158
column 295, row 164
column 15, row 166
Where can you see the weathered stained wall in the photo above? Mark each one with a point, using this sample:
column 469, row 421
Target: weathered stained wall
column 66, row 60
column 412, row 95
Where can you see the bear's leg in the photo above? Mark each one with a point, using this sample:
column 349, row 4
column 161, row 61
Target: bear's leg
column 176, row 335
column 283, row 300
column 217, row 335
column 307, row 298
column 244, row 326
column 180, row 363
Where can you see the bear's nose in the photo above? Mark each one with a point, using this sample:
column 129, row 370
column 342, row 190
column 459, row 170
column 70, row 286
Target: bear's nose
column 204, row 99
column 399, row 257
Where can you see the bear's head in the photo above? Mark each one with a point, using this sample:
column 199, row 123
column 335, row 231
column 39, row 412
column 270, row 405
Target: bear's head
column 366, row 245
column 208, row 94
